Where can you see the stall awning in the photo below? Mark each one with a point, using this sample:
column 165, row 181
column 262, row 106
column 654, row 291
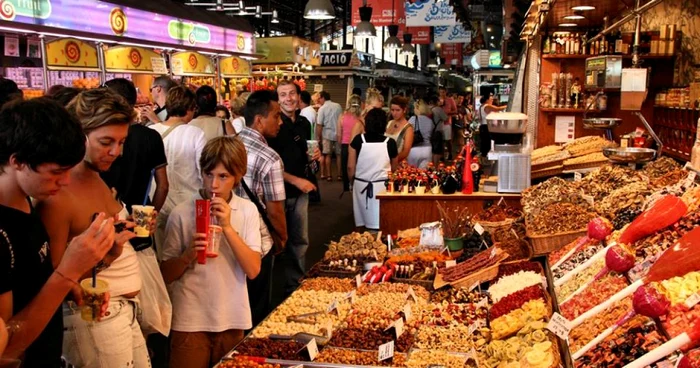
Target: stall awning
column 153, row 23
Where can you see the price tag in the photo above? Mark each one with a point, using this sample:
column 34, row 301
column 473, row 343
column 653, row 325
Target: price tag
column 351, row 295
column 478, row 228
column 692, row 300
column 398, row 327
column 386, row 351
column 473, row 356
column 358, row 280
column 312, row 348
column 483, row 303
column 544, row 282
column 407, row 313
column 588, row 198
column 333, row 306
column 578, row 176
column 559, row 326
column 474, row 286
column 479, row 323
column 329, row 329
column 493, row 252
column 690, row 179
column 450, row 263
column 411, row 294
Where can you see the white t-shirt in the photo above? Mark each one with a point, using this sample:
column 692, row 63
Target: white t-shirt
column 310, row 113
column 211, row 125
column 212, row 297
column 238, row 124
column 183, row 147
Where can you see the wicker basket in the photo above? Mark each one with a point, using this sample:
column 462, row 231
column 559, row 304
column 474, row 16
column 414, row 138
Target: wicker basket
column 482, row 275
column 492, row 227
column 546, row 172
column 545, row 244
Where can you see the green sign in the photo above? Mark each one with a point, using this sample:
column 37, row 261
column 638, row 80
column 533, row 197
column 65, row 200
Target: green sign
column 40, row 9
column 193, row 33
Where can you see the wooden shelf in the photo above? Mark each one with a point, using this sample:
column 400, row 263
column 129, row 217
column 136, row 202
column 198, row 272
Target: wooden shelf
column 565, row 56
column 579, row 56
column 676, row 155
column 676, row 108
column 550, row 110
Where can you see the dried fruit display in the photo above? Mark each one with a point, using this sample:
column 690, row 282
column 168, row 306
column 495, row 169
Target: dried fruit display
column 243, row 362
column 354, row 357
column 447, row 314
column 625, row 216
column 457, row 295
column 515, row 267
column 594, row 294
column 356, row 246
column 508, row 324
column 516, row 300
column 580, row 243
column 371, row 339
column 630, row 197
column 576, row 259
column 553, row 190
column 660, row 167
column 531, row 347
column 671, row 178
column 603, row 181
column 678, row 289
column 274, row 349
column 395, row 288
column 628, row 343
column 655, row 244
column 588, row 144
column 579, row 279
column 425, row 358
column 507, row 285
column 330, row 284
column 588, row 330
column 453, row 338
column 678, row 320
column 558, row 218
column 497, row 213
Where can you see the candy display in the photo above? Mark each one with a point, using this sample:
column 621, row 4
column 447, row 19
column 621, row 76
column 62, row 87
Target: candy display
column 511, row 283
column 516, row 300
column 510, row 323
column 360, row 247
column 568, row 249
column 287, row 350
column 355, row 357
column 662, row 214
column 576, row 259
column 587, row 331
column 578, row 280
column 481, row 260
column 593, row 295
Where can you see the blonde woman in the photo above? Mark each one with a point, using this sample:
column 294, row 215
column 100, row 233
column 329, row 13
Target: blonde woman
column 346, row 124
column 421, row 154
column 374, row 100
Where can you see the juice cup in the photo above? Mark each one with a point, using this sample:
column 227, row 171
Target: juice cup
column 93, row 298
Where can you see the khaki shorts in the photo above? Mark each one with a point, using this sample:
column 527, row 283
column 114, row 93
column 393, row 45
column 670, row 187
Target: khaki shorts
column 330, row 147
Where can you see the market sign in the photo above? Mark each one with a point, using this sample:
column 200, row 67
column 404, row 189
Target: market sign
column 451, row 54
column 347, row 59
column 430, row 13
column 421, row 35
column 234, row 66
column 103, row 18
column 452, row 34
column 127, row 59
column 189, row 63
column 384, row 12
column 71, row 53
column 288, row 50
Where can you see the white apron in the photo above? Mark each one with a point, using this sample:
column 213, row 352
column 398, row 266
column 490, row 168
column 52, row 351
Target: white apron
column 373, row 163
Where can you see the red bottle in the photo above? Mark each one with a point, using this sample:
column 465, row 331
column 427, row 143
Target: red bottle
column 467, row 179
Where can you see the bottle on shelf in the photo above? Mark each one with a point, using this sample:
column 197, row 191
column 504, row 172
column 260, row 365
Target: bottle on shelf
column 547, row 43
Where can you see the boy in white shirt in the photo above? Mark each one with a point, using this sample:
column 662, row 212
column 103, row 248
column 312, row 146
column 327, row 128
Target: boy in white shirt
column 210, row 301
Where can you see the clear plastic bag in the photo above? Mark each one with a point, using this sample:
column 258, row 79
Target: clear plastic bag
column 154, row 301
column 431, row 234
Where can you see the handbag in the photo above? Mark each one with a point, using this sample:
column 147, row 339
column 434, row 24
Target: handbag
column 277, row 243
column 417, row 136
column 436, row 140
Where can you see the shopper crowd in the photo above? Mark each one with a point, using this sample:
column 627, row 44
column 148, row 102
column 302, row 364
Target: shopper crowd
column 76, row 162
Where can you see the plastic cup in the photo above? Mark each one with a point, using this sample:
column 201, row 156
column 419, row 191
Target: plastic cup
column 93, row 298
column 213, row 241
column 311, row 147
column 142, row 217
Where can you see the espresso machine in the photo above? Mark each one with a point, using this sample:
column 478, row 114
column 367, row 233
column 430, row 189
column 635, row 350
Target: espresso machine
column 510, row 156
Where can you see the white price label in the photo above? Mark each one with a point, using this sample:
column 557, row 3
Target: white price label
column 483, row 303
column 333, row 306
column 578, row 176
column 358, row 280
column 479, row 323
column 588, row 198
column 478, row 228
column 544, row 282
column 329, row 329
column 692, row 300
column 632, row 166
column 351, row 295
column 407, row 313
column 493, row 252
column 411, row 294
column 450, row 263
column 474, row 286
column 386, row 351
column 473, row 356
column 312, row 348
column 690, row 179
column 559, row 326
column 398, row 327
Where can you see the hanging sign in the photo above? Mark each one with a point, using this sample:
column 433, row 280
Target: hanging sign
column 421, row 35
column 384, row 12
column 233, row 65
column 127, row 59
column 451, row 53
column 70, row 53
column 452, row 34
column 191, row 63
column 430, row 13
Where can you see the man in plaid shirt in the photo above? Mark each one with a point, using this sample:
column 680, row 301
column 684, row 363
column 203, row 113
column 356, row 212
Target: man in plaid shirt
column 265, row 178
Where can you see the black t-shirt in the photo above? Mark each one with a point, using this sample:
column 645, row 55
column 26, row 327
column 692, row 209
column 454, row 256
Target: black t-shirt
column 290, row 144
column 375, row 138
column 130, row 174
column 25, row 266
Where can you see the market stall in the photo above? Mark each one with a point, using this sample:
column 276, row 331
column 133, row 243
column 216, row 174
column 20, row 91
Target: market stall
column 72, row 63
column 235, row 77
column 340, row 72
column 285, row 57
column 193, row 68
column 140, row 64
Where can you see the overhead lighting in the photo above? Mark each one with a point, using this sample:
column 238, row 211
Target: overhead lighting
column 583, row 7
column 393, row 43
column 407, row 49
column 432, row 61
column 274, row 17
column 574, row 17
column 365, row 29
column 258, row 11
column 488, row 29
column 319, row 10
column 567, row 24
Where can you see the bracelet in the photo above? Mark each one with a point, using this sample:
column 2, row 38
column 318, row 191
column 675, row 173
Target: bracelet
column 65, row 277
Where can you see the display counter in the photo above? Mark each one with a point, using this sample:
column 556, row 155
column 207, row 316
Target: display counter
column 401, row 211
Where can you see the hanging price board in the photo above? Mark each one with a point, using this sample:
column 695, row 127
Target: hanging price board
column 332, row 307
column 386, row 351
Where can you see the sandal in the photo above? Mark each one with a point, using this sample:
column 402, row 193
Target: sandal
column 340, row 178
column 329, row 179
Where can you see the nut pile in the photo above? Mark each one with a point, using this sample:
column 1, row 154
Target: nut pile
column 370, row 339
column 425, row 358
column 606, row 179
column 458, row 295
column 454, row 338
column 628, row 343
column 330, row 284
column 243, row 362
column 560, row 217
column 356, row 246
column 353, row 357
column 286, row 350
column 630, row 196
column 660, row 167
column 550, row 191
column 670, row 178
column 396, row 288
column 497, row 213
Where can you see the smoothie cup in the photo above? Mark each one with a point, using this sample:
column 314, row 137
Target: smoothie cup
column 93, row 298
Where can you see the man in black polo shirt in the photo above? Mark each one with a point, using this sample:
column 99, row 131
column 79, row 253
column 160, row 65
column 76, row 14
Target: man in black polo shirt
column 290, row 144
column 39, row 143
